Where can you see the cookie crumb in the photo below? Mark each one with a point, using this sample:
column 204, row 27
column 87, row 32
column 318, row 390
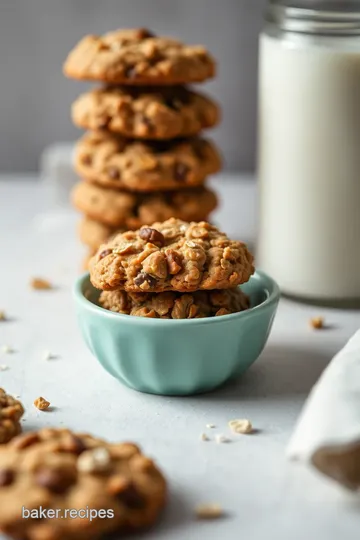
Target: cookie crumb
column 317, row 323
column 210, row 426
column 6, row 349
column 3, row 367
column 2, row 316
column 221, row 439
column 92, row 461
column 47, row 355
column 204, row 437
column 241, row 425
column 40, row 284
column 209, row 511
column 41, row 403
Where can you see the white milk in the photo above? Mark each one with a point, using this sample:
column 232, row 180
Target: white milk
column 309, row 165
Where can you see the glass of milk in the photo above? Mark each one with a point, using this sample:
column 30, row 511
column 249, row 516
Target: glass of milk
column 309, row 149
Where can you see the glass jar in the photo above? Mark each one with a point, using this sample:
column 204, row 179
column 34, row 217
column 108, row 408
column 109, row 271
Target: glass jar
column 309, row 149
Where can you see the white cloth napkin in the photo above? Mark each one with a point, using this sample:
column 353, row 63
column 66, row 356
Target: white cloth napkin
column 328, row 430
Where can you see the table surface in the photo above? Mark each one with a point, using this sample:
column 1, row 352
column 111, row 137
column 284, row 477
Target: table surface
column 264, row 495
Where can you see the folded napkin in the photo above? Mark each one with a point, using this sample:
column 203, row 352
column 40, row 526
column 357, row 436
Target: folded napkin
column 328, row 431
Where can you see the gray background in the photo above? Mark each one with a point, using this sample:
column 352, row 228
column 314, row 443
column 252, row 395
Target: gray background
column 36, row 35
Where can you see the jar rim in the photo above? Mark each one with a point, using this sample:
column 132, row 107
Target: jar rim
column 291, row 16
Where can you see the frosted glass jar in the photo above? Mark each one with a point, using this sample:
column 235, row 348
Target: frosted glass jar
column 309, row 149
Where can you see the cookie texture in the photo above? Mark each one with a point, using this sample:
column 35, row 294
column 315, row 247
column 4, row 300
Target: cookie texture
column 131, row 210
column 145, row 112
column 119, row 163
column 138, row 57
column 93, row 233
column 173, row 255
column 175, row 305
column 11, row 411
column 57, row 469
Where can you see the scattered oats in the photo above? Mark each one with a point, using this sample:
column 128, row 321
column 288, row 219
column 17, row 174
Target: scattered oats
column 221, row 439
column 6, row 349
column 41, row 404
column 209, row 511
column 40, row 284
column 242, row 426
column 47, row 355
column 210, row 426
column 2, row 316
column 204, row 437
column 96, row 460
column 3, row 367
column 317, row 323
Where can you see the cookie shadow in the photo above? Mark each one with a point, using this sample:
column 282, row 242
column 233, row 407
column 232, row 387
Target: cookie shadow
column 281, row 371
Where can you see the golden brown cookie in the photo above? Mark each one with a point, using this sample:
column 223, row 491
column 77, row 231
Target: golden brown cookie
column 11, row 411
column 93, row 233
column 58, row 471
column 173, row 255
column 146, row 113
column 119, row 163
column 175, row 305
column 138, row 57
column 131, row 210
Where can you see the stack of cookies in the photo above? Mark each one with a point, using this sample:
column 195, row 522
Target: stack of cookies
column 172, row 270
column 142, row 159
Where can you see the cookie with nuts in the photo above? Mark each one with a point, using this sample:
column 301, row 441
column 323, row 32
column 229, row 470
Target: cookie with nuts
column 173, row 255
column 175, row 305
column 146, row 112
column 138, row 56
column 120, row 209
column 57, row 469
column 119, row 163
column 11, row 411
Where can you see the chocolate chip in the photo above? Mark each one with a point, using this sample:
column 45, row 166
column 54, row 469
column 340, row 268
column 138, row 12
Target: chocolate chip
column 54, row 480
column 130, row 72
column 131, row 497
column 104, row 253
column 6, row 477
column 144, row 33
column 152, row 235
column 86, row 159
column 144, row 277
column 114, row 173
column 73, row 444
column 181, row 171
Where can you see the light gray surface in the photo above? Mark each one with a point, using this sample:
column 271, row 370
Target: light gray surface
column 36, row 35
column 265, row 496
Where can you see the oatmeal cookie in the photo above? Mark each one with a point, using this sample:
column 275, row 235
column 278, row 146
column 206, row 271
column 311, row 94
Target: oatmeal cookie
column 119, row 163
column 138, row 57
column 57, row 469
column 175, row 305
column 131, row 210
column 145, row 112
column 173, row 255
column 11, row 410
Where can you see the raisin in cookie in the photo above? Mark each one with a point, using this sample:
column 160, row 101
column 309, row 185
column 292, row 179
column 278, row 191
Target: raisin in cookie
column 93, row 233
column 175, row 305
column 116, row 162
column 11, row 410
column 57, row 469
column 131, row 210
column 146, row 113
column 138, row 57
column 173, row 255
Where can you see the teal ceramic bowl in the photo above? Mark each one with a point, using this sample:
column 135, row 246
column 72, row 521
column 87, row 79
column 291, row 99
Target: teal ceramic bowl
column 177, row 357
